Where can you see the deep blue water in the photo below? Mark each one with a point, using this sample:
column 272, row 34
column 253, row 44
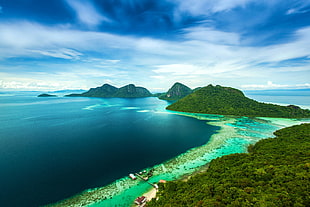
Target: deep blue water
column 53, row 148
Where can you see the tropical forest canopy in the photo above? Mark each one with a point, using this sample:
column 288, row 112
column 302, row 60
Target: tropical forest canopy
column 230, row 101
column 275, row 173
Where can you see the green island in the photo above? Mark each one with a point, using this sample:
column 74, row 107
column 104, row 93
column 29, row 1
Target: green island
column 176, row 92
column 46, row 95
column 109, row 91
column 230, row 101
column 275, row 172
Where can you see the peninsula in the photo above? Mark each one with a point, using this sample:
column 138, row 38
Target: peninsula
column 275, row 172
column 230, row 101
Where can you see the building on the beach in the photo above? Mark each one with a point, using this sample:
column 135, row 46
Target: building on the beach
column 140, row 200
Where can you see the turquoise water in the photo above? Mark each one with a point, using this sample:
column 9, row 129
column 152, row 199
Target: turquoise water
column 86, row 147
column 54, row 148
column 234, row 135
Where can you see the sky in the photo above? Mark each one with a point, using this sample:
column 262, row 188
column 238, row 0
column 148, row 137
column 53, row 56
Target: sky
column 79, row 44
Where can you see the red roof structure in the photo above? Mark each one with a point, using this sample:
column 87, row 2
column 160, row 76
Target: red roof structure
column 140, row 200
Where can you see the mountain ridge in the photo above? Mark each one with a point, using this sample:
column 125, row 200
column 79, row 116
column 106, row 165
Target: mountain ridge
column 109, row 91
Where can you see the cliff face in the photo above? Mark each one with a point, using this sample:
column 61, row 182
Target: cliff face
column 176, row 92
column 109, row 91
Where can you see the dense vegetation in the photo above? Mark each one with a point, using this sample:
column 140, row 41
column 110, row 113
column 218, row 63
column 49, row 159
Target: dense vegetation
column 230, row 101
column 275, row 173
column 46, row 95
column 176, row 92
column 108, row 91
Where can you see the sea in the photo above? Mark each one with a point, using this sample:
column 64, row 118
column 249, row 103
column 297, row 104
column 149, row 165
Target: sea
column 82, row 149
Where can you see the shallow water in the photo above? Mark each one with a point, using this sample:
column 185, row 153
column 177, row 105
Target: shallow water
column 234, row 135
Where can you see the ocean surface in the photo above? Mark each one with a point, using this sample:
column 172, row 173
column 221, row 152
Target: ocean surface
column 297, row 97
column 55, row 148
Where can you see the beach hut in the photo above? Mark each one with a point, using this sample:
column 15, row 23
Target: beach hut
column 140, row 200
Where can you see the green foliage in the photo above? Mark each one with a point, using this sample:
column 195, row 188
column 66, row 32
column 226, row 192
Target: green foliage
column 131, row 91
column 46, row 95
column 176, row 92
column 230, row 101
column 108, row 91
column 275, row 173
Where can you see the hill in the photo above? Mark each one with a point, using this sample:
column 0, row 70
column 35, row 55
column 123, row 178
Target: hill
column 274, row 173
column 131, row 91
column 109, row 91
column 176, row 92
column 230, row 101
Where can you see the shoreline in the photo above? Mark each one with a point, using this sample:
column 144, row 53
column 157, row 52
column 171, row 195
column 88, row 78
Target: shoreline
column 282, row 122
column 234, row 135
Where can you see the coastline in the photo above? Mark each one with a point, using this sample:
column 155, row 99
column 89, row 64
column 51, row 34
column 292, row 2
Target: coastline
column 281, row 122
column 234, row 135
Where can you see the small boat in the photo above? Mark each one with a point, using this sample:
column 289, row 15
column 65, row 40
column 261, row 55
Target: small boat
column 132, row 176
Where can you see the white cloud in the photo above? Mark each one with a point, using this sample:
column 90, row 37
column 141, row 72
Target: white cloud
column 59, row 53
column 205, row 7
column 210, row 35
column 87, row 13
column 205, row 54
column 179, row 69
column 22, row 38
column 271, row 85
column 300, row 7
column 113, row 61
column 30, row 85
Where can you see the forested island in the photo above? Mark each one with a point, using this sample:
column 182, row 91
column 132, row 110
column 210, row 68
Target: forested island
column 46, row 95
column 176, row 92
column 275, row 172
column 206, row 100
column 109, row 91
column 230, row 101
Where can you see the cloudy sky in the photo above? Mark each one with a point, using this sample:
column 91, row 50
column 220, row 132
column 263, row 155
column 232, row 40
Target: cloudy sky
column 73, row 44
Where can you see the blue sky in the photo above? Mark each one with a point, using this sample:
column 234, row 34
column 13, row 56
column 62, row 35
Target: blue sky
column 73, row 44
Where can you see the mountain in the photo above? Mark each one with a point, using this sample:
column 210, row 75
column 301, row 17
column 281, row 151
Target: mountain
column 104, row 91
column 109, row 91
column 275, row 172
column 230, row 101
column 131, row 91
column 46, row 95
column 176, row 92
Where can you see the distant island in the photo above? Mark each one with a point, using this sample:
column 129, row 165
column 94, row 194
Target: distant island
column 109, row 91
column 206, row 100
column 275, row 172
column 46, row 95
column 230, row 101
